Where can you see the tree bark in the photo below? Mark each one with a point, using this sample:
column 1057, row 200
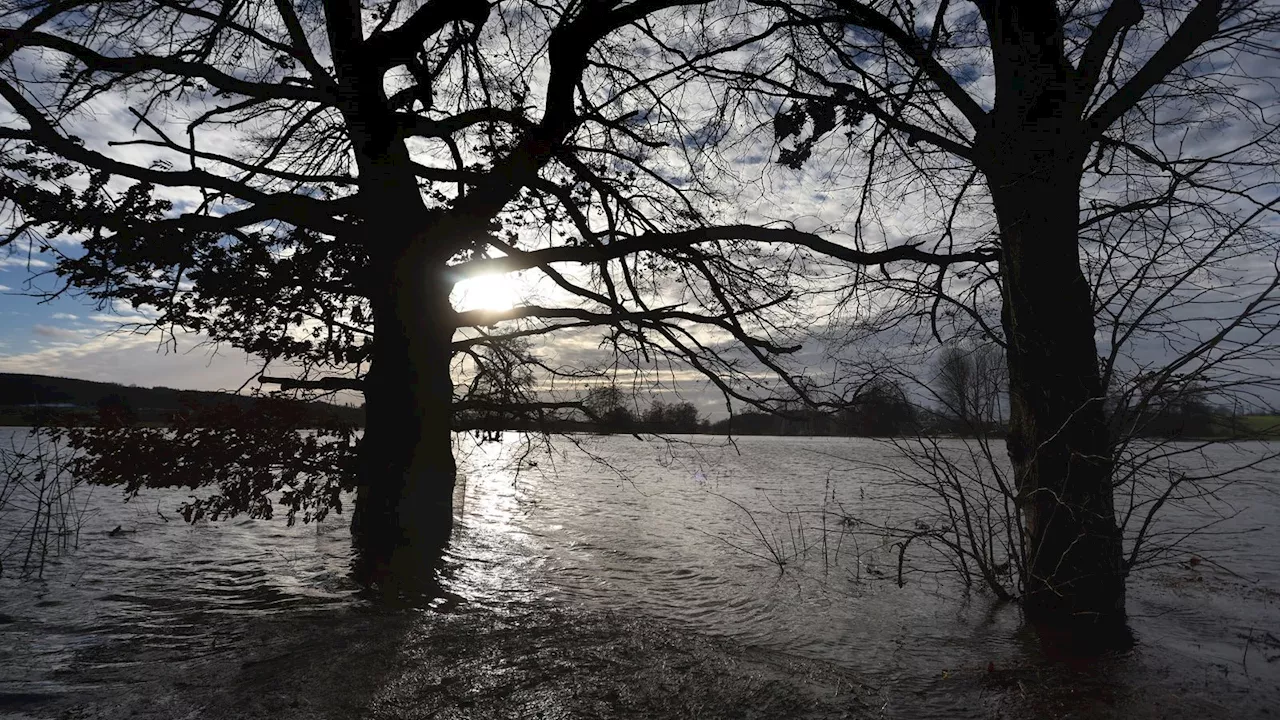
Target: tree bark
column 1058, row 436
column 1032, row 154
column 403, row 516
column 404, row 503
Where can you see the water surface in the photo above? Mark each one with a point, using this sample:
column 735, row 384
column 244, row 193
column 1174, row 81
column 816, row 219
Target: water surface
column 681, row 532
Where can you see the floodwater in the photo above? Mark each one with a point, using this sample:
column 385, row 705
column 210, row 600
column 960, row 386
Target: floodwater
column 686, row 533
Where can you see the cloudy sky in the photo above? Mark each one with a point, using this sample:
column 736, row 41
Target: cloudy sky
column 71, row 337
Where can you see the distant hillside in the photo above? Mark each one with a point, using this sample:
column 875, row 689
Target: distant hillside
column 28, row 398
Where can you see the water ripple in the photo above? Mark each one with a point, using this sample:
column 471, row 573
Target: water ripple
column 666, row 540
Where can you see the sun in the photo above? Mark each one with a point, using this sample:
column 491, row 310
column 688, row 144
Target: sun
column 488, row 292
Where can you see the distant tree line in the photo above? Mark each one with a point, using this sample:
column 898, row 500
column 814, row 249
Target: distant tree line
column 882, row 409
column 45, row 400
column 610, row 409
column 963, row 393
column 1180, row 407
column 969, row 389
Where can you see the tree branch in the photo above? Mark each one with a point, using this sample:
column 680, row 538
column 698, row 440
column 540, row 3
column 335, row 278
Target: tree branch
column 136, row 64
column 892, row 119
column 387, row 48
column 416, row 125
column 329, row 383
column 864, row 16
column 653, row 242
column 301, row 48
column 1198, row 28
column 296, row 209
column 1122, row 15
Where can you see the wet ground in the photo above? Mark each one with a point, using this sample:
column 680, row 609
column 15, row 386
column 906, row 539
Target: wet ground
column 519, row 663
column 532, row 662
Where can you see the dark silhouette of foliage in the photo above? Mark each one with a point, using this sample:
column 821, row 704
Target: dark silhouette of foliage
column 882, row 410
column 678, row 417
column 1179, row 408
column 259, row 456
column 610, row 408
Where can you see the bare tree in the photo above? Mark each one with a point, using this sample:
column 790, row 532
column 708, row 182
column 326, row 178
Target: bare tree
column 42, row 506
column 1118, row 156
column 955, row 384
column 971, row 388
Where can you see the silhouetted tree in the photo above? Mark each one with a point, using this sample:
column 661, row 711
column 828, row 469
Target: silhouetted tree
column 971, row 387
column 1083, row 144
column 309, row 181
column 610, row 407
column 680, row 417
column 500, row 387
column 882, row 410
column 1179, row 407
column 955, row 385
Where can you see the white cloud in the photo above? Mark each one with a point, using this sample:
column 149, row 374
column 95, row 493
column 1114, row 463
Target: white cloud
column 121, row 319
column 134, row 359
column 15, row 261
column 5, row 288
column 56, row 333
column 65, row 316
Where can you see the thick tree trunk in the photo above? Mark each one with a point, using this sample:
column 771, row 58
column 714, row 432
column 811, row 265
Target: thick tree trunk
column 404, row 504
column 403, row 515
column 1032, row 151
column 405, row 500
column 1058, row 435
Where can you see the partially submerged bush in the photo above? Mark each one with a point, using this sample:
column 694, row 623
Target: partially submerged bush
column 41, row 510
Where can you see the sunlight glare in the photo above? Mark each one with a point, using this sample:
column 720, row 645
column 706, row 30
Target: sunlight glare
column 488, row 292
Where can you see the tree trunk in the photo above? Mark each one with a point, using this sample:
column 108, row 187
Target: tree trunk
column 403, row 516
column 1058, row 436
column 404, row 504
column 1032, row 150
